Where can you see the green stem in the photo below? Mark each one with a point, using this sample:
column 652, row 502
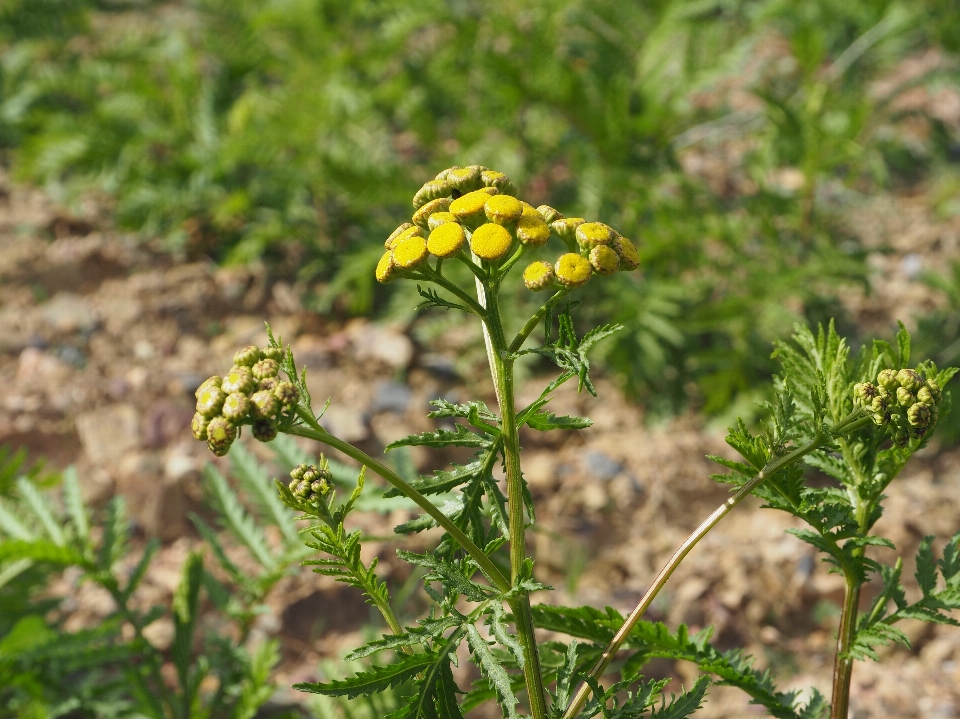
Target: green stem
column 843, row 663
column 848, row 424
column 502, row 371
column 433, row 276
column 532, row 323
column 319, row 434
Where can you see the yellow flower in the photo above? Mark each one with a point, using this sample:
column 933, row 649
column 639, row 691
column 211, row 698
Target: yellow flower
column 548, row 214
column 490, row 241
column 572, row 270
column 469, row 208
column 538, row 276
column 446, row 239
column 532, row 231
column 385, row 268
column 566, row 228
column 591, row 234
column 529, row 210
column 422, row 216
column 502, row 209
column 604, row 260
column 442, row 175
column 438, row 218
column 629, row 257
column 398, row 237
column 465, row 179
column 410, row 252
column 431, row 190
column 492, row 178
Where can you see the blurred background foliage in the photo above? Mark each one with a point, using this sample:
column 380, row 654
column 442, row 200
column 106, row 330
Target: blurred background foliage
column 293, row 132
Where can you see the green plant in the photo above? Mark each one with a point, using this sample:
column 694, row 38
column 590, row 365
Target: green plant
column 828, row 415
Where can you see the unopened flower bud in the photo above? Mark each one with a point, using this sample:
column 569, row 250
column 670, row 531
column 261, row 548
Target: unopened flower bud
column 490, row 241
column 919, row 415
column 538, row 276
column 924, row 396
column 207, row 383
column 298, row 471
column 909, row 379
column 469, row 208
column 880, row 409
column 210, row 401
column 239, row 379
column 309, row 483
column 236, row 408
column 266, row 368
column 439, row 218
column 442, row 175
column 220, row 435
column 492, row 178
column 901, row 437
column 287, row 393
column 888, row 380
column 198, row 426
column 385, row 270
column 272, row 353
column 432, row 190
column 410, row 231
column 247, row 357
column 934, row 389
column 604, row 260
column 390, row 243
column 572, row 270
column 591, row 234
column 625, row 249
column 905, row 398
column 268, row 383
column 532, row 231
column 410, row 253
column 566, row 229
column 548, row 214
column 864, row 392
column 465, row 179
column 264, row 430
column 422, row 216
column 503, row 209
column 446, row 240
column 265, row 404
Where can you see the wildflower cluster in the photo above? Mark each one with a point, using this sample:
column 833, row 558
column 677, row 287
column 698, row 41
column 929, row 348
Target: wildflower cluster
column 904, row 402
column 475, row 209
column 250, row 393
column 309, row 483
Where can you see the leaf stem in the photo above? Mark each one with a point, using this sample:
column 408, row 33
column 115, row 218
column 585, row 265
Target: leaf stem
column 848, row 424
column 532, row 323
column 319, row 434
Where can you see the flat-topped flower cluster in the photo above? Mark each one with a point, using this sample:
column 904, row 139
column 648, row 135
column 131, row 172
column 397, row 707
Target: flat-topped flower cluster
column 472, row 214
column 903, row 401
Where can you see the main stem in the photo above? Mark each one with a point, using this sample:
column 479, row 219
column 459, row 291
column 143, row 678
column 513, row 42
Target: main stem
column 843, row 663
column 848, row 424
column 501, row 368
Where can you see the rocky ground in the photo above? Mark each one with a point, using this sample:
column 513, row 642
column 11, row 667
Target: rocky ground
column 103, row 340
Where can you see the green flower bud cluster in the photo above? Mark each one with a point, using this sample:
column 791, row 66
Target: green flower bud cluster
column 904, row 402
column 309, row 483
column 474, row 208
column 250, row 393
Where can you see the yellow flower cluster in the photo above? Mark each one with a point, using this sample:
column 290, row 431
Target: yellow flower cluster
column 475, row 208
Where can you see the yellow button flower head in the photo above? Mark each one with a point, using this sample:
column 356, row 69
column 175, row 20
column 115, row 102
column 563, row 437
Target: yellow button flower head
column 410, row 231
column 591, row 234
column 538, row 276
column 629, row 257
column 385, row 268
column 421, row 216
column 465, row 179
column 431, row 190
column 492, row 178
column 490, row 241
column 503, row 209
column 548, row 214
column 389, row 242
column 529, row 210
column 238, row 379
column 446, row 239
column 566, row 228
column 532, row 231
column 604, row 260
column 438, row 218
column 410, row 252
column 469, row 208
column 442, row 175
column 572, row 270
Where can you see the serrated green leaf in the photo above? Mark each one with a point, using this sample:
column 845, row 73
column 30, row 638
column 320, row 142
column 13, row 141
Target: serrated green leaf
column 926, row 573
column 41, row 551
column 427, row 629
column 950, row 563
column 493, row 671
column 74, row 503
column 684, row 705
column 41, row 508
column 458, row 437
column 441, row 480
column 545, row 421
column 186, row 598
column 13, row 526
column 253, row 478
column 240, row 524
column 140, row 570
column 115, row 529
column 378, row 679
column 449, row 573
column 498, row 628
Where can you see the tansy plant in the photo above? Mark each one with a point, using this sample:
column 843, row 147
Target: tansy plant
column 856, row 419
